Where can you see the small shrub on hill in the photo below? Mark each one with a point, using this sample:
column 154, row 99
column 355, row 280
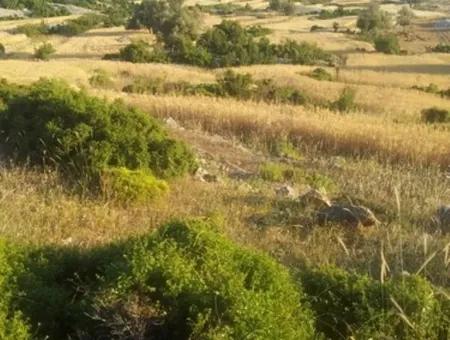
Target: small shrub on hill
column 50, row 124
column 32, row 30
column 441, row 48
column 351, row 305
column 321, row 74
column 141, row 52
column 44, row 52
column 2, row 51
column 79, row 25
column 435, row 115
column 101, row 78
column 13, row 325
column 346, row 101
column 131, row 186
column 387, row 43
column 194, row 284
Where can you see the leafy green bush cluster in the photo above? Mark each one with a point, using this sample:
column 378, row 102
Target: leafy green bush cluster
column 229, row 84
column 435, row 115
column 432, row 88
column 224, row 9
column 280, row 172
column 441, row 48
column 185, row 281
column 131, row 186
column 50, row 124
column 346, row 101
column 387, row 43
column 229, row 44
column 32, row 30
column 321, row 74
column 354, row 306
column 100, row 78
column 44, row 52
column 140, row 52
column 79, row 25
column 337, row 13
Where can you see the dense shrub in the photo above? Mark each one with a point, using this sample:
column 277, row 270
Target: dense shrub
column 441, row 48
column 337, row 13
column 79, row 25
column 346, row 101
column 44, row 52
column 321, row 74
column 373, row 19
column 195, row 284
column 435, row 115
column 50, row 124
column 12, row 323
column 100, row 78
column 350, row 305
column 2, row 51
column 32, row 30
column 387, row 43
column 131, row 186
column 141, row 52
column 230, row 44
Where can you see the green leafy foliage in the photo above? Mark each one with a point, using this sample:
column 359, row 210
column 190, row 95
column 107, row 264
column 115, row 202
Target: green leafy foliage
column 79, row 25
column 201, row 285
column 140, row 52
column 44, row 52
column 435, row 115
column 101, row 79
column 337, row 13
column 321, row 74
column 131, row 186
column 373, row 19
column 32, row 30
column 351, row 305
column 51, row 124
column 2, row 51
column 346, row 101
column 12, row 323
column 441, row 48
column 387, row 43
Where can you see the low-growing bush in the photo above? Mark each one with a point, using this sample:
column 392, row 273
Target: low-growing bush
column 355, row 306
column 13, row 325
column 79, row 25
column 51, row 124
column 140, row 52
column 44, row 52
column 441, row 48
column 101, row 78
column 435, row 115
column 387, row 43
column 190, row 282
column 32, row 30
column 131, row 186
column 2, row 51
column 346, row 101
column 321, row 74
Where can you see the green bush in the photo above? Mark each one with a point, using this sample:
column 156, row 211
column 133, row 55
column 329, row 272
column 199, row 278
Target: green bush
column 44, row 52
column 79, row 25
column 141, row 52
column 346, row 101
column 12, row 323
column 435, row 115
column 101, row 78
column 2, row 51
column 51, row 124
column 441, row 48
column 131, row 185
column 387, row 44
column 195, row 284
column 32, row 30
column 321, row 74
column 354, row 306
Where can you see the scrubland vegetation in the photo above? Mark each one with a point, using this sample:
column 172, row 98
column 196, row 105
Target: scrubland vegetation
column 238, row 178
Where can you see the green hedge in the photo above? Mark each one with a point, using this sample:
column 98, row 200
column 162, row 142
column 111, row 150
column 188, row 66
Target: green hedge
column 50, row 124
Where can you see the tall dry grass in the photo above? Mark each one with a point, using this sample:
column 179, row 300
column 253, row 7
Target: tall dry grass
column 355, row 135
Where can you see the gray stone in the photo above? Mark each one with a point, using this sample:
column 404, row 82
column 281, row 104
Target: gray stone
column 347, row 215
column 314, row 198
